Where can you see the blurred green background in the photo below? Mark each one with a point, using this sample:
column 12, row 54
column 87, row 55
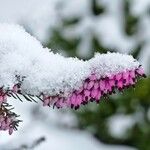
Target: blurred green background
column 132, row 107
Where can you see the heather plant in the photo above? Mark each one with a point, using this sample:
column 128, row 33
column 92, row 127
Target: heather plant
column 117, row 26
column 35, row 73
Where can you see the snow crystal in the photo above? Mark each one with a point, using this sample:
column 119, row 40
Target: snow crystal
column 23, row 55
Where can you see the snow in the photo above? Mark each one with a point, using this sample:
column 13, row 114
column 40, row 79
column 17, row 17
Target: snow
column 62, row 139
column 49, row 73
column 36, row 15
column 41, row 17
column 119, row 124
column 139, row 7
column 57, row 135
column 107, row 27
column 112, row 63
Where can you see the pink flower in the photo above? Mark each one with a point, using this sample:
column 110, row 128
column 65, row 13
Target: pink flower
column 94, row 88
column 6, row 123
column 3, row 97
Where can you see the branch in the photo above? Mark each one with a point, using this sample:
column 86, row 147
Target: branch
column 30, row 146
column 32, row 72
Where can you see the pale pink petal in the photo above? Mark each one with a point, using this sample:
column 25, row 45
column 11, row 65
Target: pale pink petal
column 132, row 74
column 118, row 76
column 93, row 77
column 90, row 85
column 96, row 85
column 102, row 85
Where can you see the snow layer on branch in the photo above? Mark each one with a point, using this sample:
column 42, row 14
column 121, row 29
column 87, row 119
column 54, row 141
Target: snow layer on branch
column 23, row 55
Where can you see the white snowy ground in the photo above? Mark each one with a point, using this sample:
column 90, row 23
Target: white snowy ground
column 55, row 126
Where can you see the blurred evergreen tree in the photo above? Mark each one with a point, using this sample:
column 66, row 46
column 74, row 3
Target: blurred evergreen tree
column 94, row 118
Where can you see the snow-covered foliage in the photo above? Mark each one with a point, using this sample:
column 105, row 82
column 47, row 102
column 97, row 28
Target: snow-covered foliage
column 45, row 72
column 29, row 69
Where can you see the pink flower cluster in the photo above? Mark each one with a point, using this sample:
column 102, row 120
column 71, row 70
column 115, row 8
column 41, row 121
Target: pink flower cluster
column 3, row 97
column 16, row 88
column 94, row 88
column 5, row 93
column 6, row 123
